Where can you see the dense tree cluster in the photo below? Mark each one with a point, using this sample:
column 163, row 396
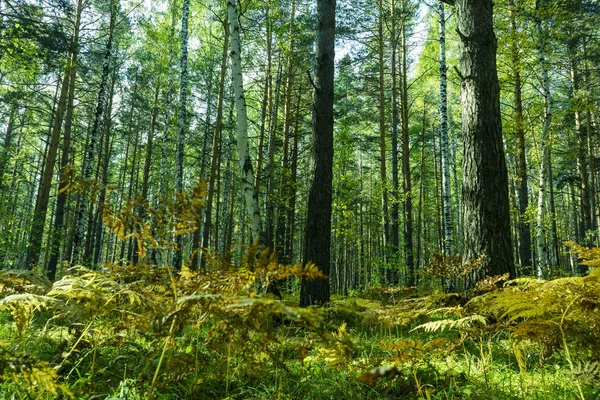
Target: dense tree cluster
column 429, row 128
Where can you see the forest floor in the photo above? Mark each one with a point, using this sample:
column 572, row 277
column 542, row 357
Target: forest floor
column 104, row 335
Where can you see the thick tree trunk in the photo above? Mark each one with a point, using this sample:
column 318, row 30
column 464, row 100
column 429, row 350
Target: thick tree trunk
column 318, row 222
column 485, row 206
column 242, row 124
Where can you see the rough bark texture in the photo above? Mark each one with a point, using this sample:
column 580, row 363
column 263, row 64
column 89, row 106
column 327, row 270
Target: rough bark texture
column 485, row 207
column 242, row 123
column 318, row 221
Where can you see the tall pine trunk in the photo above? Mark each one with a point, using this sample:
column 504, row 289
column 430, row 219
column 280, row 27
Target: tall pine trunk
column 318, row 220
column 485, row 205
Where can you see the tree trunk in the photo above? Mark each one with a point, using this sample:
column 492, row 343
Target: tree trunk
column 8, row 137
column 284, row 190
column 147, row 165
column 542, row 250
column 395, row 212
column 88, row 168
column 318, row 222
column 57, row 231
column 182, row 124
column 382, row 138
column 266, row 100
column 446, row 194
column 485, row 206
column 215, row 148
column 242, row 124
column 407, row 183
column 270, row 195
column 41, row 205
column 106, row 162
column 523, row 189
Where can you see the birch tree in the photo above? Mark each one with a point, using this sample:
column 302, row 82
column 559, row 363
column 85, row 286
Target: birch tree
column 250, row 194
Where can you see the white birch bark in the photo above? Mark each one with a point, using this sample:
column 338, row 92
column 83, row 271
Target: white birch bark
column 542, row 251
column 446, row 195
column 242, row 122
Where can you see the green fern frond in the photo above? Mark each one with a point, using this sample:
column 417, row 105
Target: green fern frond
column 443, row 324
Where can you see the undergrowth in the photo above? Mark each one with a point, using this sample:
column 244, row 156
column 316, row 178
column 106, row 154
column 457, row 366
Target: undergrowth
column 135, row 331
column 139, row 331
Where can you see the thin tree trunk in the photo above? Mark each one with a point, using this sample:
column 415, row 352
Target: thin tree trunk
column 523, row 188
column 542, row 250
column 41, row 205
column 106, row 162
column 280, row 238
column 382, row 137
column 88, row 168
column 57, row 232
column 267, row 97
column 270, row 195
column 147, row 165
column 407, row 182
column 446, row 194
column 395, row 212
column 182, row 124
column 242, row 124
column 215, row 148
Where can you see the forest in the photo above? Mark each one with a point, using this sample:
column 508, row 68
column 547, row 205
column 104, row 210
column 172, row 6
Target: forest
column 299, row 199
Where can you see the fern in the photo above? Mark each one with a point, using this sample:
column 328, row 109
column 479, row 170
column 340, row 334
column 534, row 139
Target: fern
column 23, row 306
column 443, row 324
